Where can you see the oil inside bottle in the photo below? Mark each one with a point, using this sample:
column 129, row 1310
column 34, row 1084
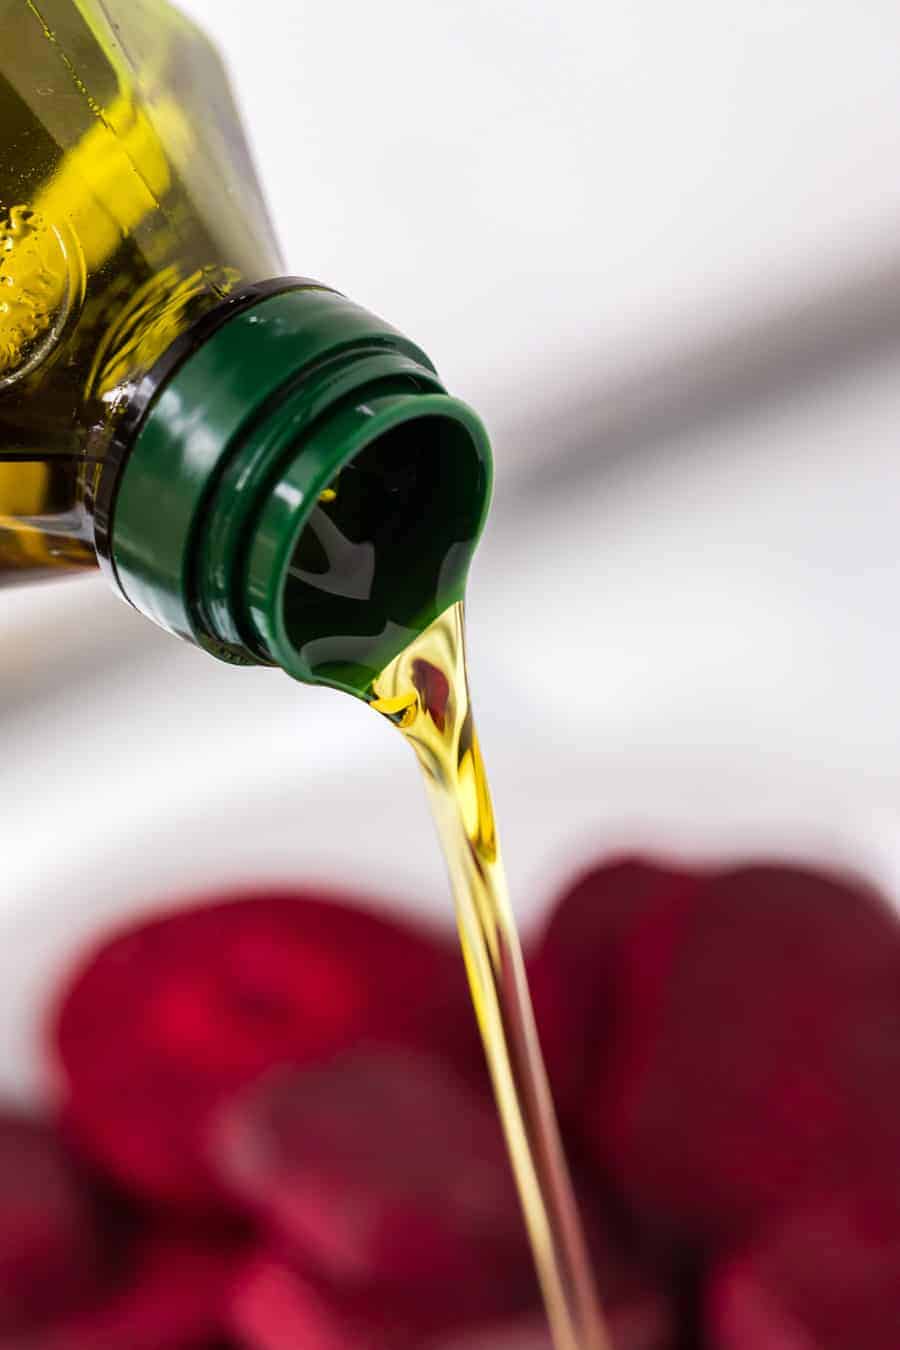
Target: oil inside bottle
column 424, row 692
column 128, row 207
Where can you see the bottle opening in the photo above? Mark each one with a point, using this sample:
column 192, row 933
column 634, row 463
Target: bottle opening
column 385, row 549
column 322, row 493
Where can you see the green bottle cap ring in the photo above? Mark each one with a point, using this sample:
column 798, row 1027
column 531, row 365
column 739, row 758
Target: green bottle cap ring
column 228, row 466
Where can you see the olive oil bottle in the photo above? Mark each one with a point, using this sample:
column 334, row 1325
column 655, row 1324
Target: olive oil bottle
column 258, row 465
column 128, row 208
column 172, row 406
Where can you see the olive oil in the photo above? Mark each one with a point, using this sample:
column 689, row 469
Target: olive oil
column 261, row 467
column 425, row 693
column 173, row 406
column 128, row 207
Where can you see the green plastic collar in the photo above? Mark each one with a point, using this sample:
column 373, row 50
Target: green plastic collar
column 228, row 467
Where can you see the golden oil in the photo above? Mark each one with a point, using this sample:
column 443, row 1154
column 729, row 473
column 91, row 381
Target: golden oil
column 128, row 207
column 425, row 693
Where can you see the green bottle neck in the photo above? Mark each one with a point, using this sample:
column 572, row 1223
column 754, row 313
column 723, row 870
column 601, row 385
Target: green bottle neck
column 299, row 490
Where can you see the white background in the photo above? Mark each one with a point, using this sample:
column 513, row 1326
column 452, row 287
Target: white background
column 656, row 246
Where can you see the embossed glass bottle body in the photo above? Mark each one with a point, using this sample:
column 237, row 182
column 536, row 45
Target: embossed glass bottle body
column 172, row 405
column 128, row 207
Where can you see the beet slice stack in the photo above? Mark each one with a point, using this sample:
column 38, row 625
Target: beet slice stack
column 175, row 1015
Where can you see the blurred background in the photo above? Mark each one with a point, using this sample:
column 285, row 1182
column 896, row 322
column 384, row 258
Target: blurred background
column 657, row 248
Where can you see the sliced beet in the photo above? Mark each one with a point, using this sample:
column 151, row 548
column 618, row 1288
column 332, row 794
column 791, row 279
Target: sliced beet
column 383, row 1177
column 274, row 1307
column 826, row 1277
column 530, row 1333
column 50, row 1250
column 635, row 1294
column 277, row 1308
column 635, row 1327
column 175, row 1014
column 383, row 1170
column 756, row 1052
column 575, row 966
column 175, row 1295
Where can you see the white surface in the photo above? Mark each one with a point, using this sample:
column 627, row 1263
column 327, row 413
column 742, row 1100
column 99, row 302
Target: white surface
column 559, row 200
column 696, row 651
column 547, row 194
column 700, row 655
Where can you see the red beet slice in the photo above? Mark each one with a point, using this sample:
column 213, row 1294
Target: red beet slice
column 384, row 1170
column 576, row 963
column 530, row 1333
column 629, row 1329
column 175, row 1014
column 386, row 1179
column 825, row 1278
column 276, row 1308
column 757, row 1050
column 49, row 1245
column 637, row 1305
column 175, row 1296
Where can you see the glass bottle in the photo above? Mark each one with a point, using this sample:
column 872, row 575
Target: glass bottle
column 257, row 464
